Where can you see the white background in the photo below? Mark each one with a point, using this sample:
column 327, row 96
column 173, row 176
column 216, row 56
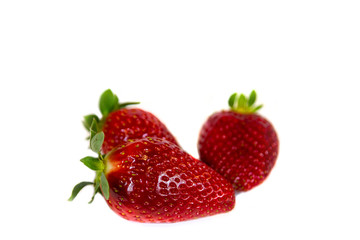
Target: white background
column 181, row 60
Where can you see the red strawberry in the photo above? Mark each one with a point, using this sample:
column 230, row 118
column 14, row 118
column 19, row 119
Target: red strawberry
column 154, row 180
column 120, row 123
column 239, row 144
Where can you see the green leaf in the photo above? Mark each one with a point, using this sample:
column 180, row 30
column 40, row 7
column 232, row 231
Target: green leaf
column 88, row 120
column 96, row 141
column 231, row 100
column 252, row 98
column 104, row 185
column 93, row 163
column 116, row 102
column 108, row 102
column 77, row 189
column 241, row 101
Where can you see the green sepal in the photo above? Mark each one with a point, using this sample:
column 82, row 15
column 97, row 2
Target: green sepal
column 241, row 101
column 231, row 100
column 100, row 181
column 108, row 102
column 125, row 104
column 95, row 192
column 96, row 141
column 252, row 98
column 93, row 163
column 88, row 120
column 78, row 188
column 104, row 186
column 242, row 104
column 93, row 128
column 257, row 108
column 96, row 189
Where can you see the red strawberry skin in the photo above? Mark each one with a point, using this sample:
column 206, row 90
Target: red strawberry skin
column 132, row 123
column 153, row 180
column 242, row 147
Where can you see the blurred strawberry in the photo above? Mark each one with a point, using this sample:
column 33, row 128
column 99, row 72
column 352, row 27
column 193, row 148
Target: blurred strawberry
column 239, row 144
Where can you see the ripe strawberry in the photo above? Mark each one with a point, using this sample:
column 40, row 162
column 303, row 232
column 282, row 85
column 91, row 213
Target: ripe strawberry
column 239, row 144
column 120, row 123
column 154, row 180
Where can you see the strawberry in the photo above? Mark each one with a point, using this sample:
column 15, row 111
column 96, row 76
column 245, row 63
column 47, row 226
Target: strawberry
column 154, row 180
column 239, row 144
column 120, row 123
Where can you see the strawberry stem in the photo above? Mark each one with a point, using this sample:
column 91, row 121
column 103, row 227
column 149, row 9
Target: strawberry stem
column 243, row 104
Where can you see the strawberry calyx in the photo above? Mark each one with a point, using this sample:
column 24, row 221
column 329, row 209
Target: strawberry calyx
column 108, row 103
column 243, row 104
column 97, row 164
